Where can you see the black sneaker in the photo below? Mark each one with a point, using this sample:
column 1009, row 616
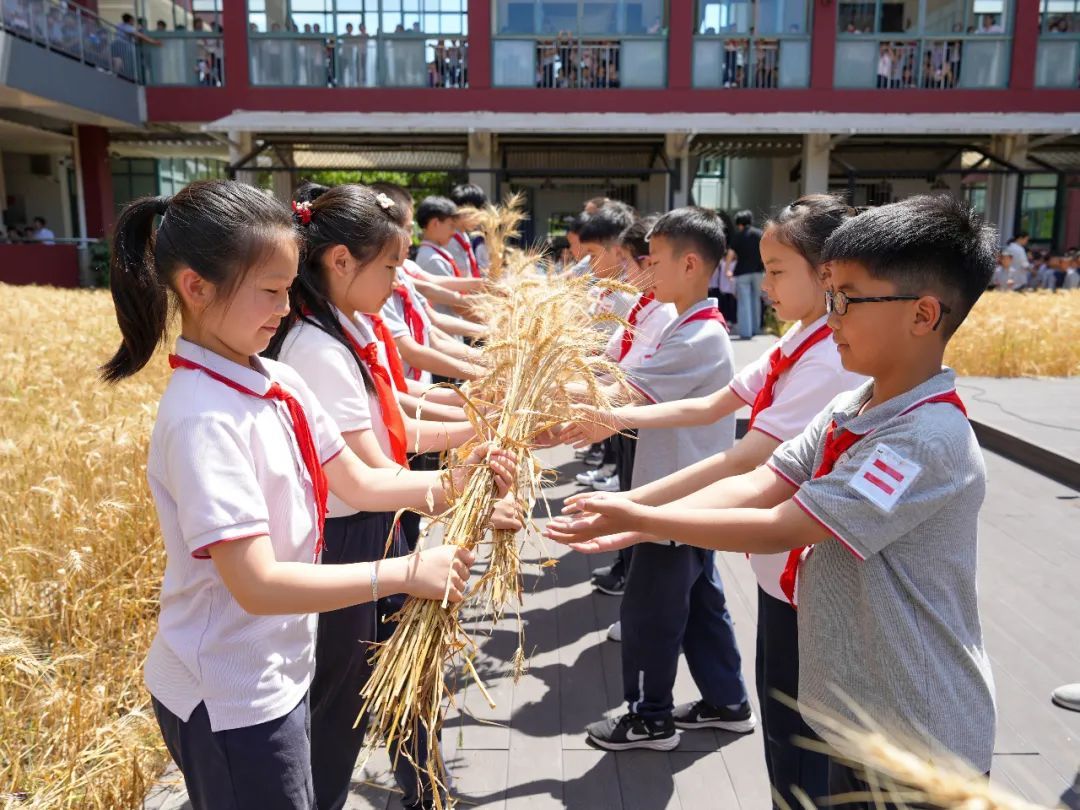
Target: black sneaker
column 613, row 584
column 633, row 731
column 702, row 715
column 594, row 458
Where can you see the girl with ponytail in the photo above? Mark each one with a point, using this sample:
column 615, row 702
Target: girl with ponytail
column 241, row 462
column 352, row 247
column 786, row 388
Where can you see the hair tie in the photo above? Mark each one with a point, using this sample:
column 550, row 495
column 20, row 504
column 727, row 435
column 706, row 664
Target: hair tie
column 384, row 201
column 302, row 211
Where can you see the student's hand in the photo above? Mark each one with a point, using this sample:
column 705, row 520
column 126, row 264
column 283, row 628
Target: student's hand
column 600, row 514
column 609, row 542
column 575, row 504
column 590, row 425
column 430, row 569
column 552, row 437
column 503, row 465
column 506, row 515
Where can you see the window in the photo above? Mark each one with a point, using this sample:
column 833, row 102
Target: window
column 581, row 17
column 198, row 15
column 959, row 17
column 760, row 17
column 1038, row 202
column 357, row 17
column 1060, row 17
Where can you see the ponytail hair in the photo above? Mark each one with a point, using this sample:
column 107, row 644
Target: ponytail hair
column 365, row 223
column 218, row 228
column 806, row 223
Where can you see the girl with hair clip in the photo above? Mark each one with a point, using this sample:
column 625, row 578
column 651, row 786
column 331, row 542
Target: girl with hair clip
column 786, row 388
column 242, row 460
column 352, row 248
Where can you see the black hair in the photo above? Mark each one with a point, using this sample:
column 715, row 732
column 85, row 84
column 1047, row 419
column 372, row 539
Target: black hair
column 41, row 220
column 1020, row 235
column 576, row 223
column 469, row 194
column 349, row 215
column 694, row 230
column 606, row 224
column 745, row 218
column 928, row 243
column 434, row 208
column 403, row 201
column 635, row 238
column 218, row 228
column 127, row 18
column 309, row 191
column 596, row 202
column 806, row 223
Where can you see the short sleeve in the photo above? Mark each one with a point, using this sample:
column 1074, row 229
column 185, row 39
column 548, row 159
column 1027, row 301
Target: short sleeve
column 210, row 474
column 750, row 380
column 431, row 262
column 810, row 386
column 794, row 459
column 394, row 317
column 333, row 377
column 671, row 372
column 893, row 481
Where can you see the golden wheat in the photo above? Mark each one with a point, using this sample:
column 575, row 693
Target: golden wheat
column 82, row 561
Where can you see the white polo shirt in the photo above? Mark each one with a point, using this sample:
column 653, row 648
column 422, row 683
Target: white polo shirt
column 333, row 375
column 799, row 395
column 224, row 465
column 393, row 314
column 652, row 319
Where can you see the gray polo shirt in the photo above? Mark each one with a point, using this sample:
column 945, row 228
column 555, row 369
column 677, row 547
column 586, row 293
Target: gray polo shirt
column 888, row 607
column 691, row 359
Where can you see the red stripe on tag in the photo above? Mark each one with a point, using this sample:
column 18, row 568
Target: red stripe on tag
column 877, row 482
column 889, row 471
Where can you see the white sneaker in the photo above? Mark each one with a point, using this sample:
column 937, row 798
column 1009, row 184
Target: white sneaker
column 609, row 483
column 614, row 633
column 588, row 477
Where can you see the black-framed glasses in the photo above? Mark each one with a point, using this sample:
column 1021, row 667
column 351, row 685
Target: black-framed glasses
column 838, row 302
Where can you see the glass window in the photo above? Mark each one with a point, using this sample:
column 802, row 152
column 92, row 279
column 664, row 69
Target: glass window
column 581, row 17
column 989, row 17
column 1060, row 16
column 762, row 17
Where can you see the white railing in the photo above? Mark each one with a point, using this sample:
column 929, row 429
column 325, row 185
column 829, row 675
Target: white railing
column 564, row 63
column 930, row 63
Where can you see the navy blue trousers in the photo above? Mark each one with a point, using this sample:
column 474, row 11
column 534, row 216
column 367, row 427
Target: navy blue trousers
column 342, row 649
column 262, row 767
column 674, row 601
column 778, row 671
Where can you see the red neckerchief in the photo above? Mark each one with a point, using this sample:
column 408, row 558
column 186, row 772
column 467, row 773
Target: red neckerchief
column 780, row 364
column 413, row 319
column 836, row 446
column 446, row 255
column 629, row 333
column 301, row 430
column 393, row 356
column 466, row 245
column 384, row 390
column 708, row 314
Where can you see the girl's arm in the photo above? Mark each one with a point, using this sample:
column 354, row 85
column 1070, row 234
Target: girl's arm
column 439, row 294
column 435, row 393
column 429, row 409
column 435, row 437
column 595, row 425
column 265, row 587
column 433, row 360
column 453, row 325
column 455, row 348
column 366, row 446
column 370, row 489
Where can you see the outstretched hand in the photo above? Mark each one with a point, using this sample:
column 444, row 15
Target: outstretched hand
column 593, row 516
column 588, row 425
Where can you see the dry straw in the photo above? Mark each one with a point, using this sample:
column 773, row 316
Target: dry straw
column 541, row 348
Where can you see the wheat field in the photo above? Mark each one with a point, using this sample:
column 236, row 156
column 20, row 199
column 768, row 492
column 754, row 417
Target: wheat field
column 82, row 560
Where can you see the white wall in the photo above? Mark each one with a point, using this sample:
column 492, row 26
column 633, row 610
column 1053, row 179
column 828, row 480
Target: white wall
column 40, row 195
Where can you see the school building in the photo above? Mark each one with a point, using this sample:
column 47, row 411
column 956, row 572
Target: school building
column 727, row 103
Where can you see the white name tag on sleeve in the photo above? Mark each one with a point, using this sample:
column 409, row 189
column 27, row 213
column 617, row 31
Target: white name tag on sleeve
column 884, row 477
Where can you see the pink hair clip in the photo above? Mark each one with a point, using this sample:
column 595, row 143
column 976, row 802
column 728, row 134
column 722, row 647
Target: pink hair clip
column 302, row 210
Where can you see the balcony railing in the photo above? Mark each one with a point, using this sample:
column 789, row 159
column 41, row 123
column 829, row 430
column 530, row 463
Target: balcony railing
column 930, row 63
column 386, row 60
column 587, row 64
column 74, row 32
column 1057, row 61
column 185, row 58
column 752, row 62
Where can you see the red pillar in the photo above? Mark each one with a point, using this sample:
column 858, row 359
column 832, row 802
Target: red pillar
column 480, row 24
column 1025, row 45
column 97, row 187
column 680, row 45
column 234, row 21
column 823, row 45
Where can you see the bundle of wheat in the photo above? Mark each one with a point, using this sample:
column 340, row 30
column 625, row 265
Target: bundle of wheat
column 543, row 357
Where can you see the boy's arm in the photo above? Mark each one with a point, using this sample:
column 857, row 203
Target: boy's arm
column 753, row 513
